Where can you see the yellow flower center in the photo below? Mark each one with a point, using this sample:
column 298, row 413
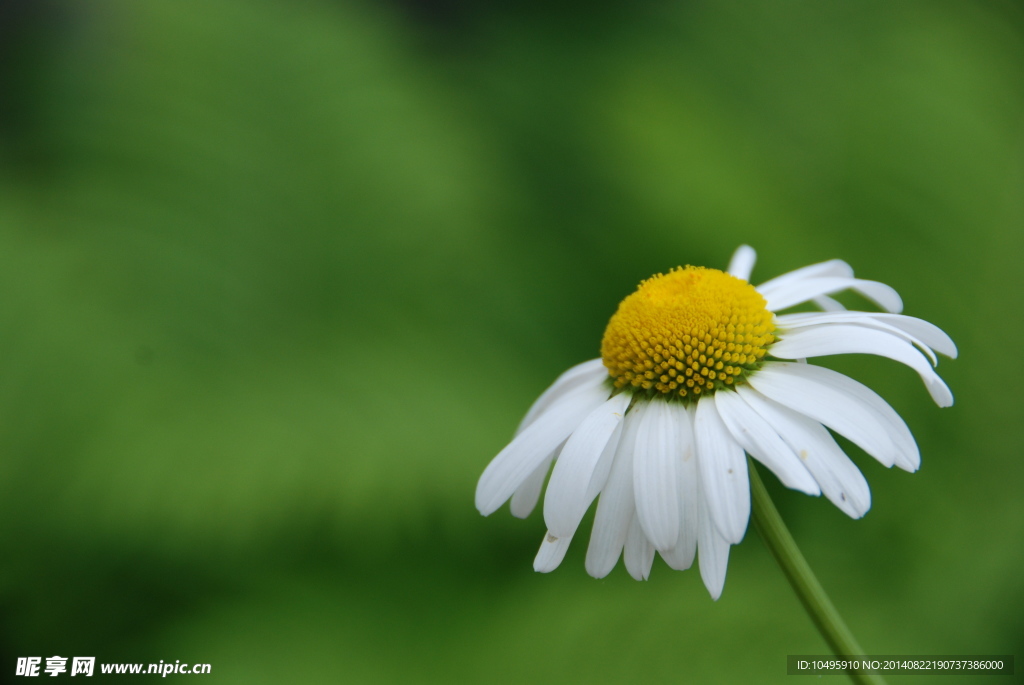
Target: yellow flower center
column 687, row 332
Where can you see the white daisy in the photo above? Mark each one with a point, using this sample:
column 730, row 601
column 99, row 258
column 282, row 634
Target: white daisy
column 692, row 376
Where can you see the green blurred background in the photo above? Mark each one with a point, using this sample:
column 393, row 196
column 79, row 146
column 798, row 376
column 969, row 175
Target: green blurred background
column 278, row 279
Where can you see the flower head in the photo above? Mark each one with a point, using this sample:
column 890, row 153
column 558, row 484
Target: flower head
column 693, row 374
column 690, row 332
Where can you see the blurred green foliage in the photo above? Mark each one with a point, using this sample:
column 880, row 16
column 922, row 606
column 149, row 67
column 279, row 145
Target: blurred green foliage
column 278, row 279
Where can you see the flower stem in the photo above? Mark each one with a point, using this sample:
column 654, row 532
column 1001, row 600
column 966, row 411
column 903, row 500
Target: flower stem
column 819, row 607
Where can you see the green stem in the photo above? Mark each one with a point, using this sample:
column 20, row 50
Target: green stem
column 820, row 608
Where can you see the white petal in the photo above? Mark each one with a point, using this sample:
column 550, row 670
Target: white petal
column 551, row 553
column 589, row 372
column 828, row 304
column 723, row 472
column 919, row 331
column 639, row 552
column 616, row 508
column 760, row 440
column 829, row 339
column 570, row 491
column 811, row 391
column 524, row 499
column 928, row 333
column 908, row 456
column 788, row 322
column 681, row 555
column 604, row 464
column 794, row 293
column 655, row 483
column 714, row 553
column 742, row 262
column 840, row 480
column 832, row 268
column 524, row 454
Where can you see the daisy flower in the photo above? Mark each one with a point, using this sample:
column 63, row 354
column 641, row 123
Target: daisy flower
column 696, row 369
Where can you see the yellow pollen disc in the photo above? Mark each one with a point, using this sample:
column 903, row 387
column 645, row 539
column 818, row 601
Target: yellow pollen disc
column 687, row 333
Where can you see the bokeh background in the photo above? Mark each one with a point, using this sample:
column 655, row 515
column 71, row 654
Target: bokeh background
column 278, row 279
